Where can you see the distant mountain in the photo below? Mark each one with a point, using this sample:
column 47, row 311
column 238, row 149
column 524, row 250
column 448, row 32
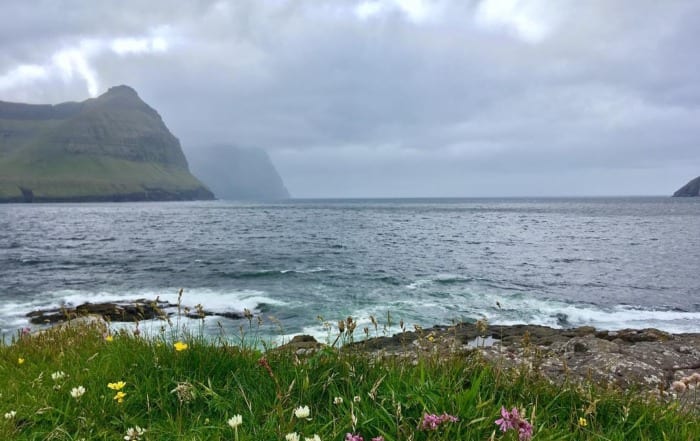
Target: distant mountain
column 111, row 148
column 691, row 189
column 236, row 173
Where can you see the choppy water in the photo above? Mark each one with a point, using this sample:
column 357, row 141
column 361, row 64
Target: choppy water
column 610, row 263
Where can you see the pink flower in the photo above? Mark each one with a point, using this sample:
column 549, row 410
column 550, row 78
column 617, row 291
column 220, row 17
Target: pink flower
column 524, row 431
column 505, row 423
column 432, row 421
column 378, row 438
column 513, row 420
column 351, row 437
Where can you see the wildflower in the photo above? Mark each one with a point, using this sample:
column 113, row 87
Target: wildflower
column 77, row 392
column 302, row 412
column 134, row 433
column 582, row 422
column 180, row 346
column 513, row 420
column 109, row 338
column 338, row 400
column 356, row 398
column 10, row 415
column 432, row 421
column 352, row 437
column 313, row 438
column 378, row 438
column 235, row 421
column 119, row 397
column 20, row 360
column 119, row 385
column 58, row 375
column 292, row 436
column 507, row 419
column 185, row 392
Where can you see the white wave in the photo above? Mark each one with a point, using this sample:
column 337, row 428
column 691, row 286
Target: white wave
column 13, row 314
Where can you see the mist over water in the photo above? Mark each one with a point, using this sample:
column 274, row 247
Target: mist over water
column 606, row 262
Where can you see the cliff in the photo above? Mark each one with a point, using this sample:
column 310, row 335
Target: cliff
column 111, row 148
column 237, row 173
column 691, row 189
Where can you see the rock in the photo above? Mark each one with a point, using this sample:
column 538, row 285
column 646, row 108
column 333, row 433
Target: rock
column 134, row 311
column 302, row 344
column 691, row 189
column 646, row 358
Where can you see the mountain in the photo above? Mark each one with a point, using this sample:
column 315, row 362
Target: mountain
column 691, row 189
column 111, row 148
column 236, row 173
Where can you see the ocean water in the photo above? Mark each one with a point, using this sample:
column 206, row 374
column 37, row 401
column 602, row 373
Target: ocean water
column 606, row 262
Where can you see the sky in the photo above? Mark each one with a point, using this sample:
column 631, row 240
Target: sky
column 392, row 98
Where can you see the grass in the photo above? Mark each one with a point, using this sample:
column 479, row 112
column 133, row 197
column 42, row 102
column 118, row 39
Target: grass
column 191, row 393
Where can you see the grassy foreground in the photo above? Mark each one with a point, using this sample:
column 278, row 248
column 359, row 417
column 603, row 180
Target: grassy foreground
column 81, row 383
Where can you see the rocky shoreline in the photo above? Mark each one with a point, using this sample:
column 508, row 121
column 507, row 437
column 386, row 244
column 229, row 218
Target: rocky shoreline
column 643, row 359
column 648, row 360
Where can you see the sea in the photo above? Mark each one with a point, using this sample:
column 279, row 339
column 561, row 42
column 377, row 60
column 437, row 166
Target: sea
column 301, row 265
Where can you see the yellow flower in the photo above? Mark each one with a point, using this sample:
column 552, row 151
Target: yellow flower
column 180, row 346
column 582, row 422
column 20, row 360
column 120, row 397
column 119, row 385
column 109, row 338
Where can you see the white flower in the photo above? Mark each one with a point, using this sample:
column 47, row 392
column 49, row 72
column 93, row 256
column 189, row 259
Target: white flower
column 77, row 392
column 338, row 400
column 292, row 436
column 235, row 421
column 357, row 399
column 313, row 438
column 58, row 375
column 134, row 433
column 302, row 412
column 11, row 414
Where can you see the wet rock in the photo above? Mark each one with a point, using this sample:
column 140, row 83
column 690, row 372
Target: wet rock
column 132, row 311
column 302, row 344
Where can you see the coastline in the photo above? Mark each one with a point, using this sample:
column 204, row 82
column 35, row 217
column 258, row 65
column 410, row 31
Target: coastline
column 648, row 360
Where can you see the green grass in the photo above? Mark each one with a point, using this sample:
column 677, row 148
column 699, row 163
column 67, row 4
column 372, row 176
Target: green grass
column 218, row 380
column 91, row 176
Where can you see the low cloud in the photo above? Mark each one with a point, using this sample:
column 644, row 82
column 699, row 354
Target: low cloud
column 369, row 94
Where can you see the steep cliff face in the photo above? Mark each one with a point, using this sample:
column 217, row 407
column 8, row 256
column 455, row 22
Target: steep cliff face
column 691, row 189
column 235, row 173
column 111, row 148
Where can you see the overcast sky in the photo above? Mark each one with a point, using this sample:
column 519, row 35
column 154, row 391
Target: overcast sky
column 392, row 98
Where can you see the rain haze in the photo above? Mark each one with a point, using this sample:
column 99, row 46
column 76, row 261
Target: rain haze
column 392, row 98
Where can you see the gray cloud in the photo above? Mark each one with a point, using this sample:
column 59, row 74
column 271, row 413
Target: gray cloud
column 394, row 97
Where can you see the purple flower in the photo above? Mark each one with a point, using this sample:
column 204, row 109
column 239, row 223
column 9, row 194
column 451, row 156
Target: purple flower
column 432, row 421
column 506, row 421
column 351, row 437
column 524, row 431
column 513, row 420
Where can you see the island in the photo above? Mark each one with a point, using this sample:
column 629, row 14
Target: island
column 691, row 189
